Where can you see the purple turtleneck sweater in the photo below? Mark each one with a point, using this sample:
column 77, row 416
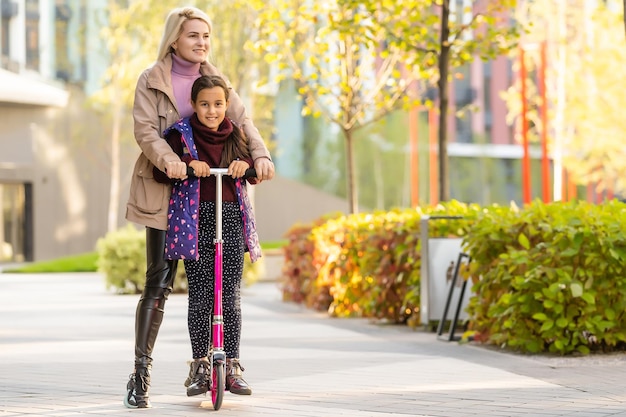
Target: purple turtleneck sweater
column 184, row 73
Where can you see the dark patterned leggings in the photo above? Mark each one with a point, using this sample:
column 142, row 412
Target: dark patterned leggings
column 200, row 275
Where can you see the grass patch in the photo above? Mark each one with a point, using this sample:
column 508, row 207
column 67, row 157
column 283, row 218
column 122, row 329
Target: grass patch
column 275, row 244
column 85, row 262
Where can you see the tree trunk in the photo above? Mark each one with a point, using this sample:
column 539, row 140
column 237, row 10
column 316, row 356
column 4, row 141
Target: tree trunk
column 114, row 190
column 559, row 111
column 378, row 177
column 353, row 195
column 442, row 84
column 625, row 14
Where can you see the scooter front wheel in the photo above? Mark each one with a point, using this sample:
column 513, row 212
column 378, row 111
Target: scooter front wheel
column 219, row 384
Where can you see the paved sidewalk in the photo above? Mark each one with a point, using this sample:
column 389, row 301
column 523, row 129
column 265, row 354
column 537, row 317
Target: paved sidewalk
column 66, row 349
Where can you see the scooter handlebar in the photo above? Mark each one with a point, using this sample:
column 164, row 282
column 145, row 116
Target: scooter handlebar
column 250, row 172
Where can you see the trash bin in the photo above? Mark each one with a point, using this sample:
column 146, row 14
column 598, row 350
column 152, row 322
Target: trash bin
column 439, row 256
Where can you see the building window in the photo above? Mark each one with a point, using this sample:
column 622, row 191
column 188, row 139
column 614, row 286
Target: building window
column 63, row 14
column 32, row 34
column 8, row 10
column 5, row 35
column 464, row 96
column 82, row 40
column 487, row 107
column 16, row 223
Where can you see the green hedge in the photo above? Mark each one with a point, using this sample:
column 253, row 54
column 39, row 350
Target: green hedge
column 122, row 261
column 546, row 278
column 550, row 277
column 364, row 265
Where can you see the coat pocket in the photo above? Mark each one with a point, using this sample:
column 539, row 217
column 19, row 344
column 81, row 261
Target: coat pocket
column 148, row 196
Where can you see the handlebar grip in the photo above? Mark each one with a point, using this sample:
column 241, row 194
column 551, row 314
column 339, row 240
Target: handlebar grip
column 250, row 173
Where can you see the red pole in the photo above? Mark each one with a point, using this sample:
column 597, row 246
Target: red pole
column 413, row 125
column 564, row 188
column 524, row 127
column 569, row 187
column 572, row 192
column 609, row 191
column 433, row 148
column 545, row 163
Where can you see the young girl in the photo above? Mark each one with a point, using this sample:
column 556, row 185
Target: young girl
column 209, row 139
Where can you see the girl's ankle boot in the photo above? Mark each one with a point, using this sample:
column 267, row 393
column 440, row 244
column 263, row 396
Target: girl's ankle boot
column 234, row 378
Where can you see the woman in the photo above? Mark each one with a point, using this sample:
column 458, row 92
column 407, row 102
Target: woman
column 163, row 96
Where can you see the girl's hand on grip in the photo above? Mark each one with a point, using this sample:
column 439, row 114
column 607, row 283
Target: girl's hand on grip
column 200, row 168
column 237, row 168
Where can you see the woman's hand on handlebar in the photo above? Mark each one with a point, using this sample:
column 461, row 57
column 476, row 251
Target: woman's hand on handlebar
column 264, row 169
column 200, row 168
column 237, row 169
column 176, row 170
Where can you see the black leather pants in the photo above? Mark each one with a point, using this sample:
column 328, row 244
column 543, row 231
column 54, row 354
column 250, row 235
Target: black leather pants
column 160, row 275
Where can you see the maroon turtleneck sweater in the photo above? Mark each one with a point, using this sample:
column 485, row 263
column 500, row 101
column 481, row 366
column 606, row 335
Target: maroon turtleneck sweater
column 209, row 144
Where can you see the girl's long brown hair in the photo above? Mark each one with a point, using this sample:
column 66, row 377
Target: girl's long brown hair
column 236, row 146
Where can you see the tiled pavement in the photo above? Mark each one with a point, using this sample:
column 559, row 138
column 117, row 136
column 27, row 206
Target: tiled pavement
column 66, row 349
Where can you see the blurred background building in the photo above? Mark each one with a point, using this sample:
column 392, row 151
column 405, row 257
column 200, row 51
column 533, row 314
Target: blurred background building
column 47, row 191
column 55, row 150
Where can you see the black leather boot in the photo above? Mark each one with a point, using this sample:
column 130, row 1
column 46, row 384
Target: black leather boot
column 149, row 316
column 148, row 319
column 138, row 386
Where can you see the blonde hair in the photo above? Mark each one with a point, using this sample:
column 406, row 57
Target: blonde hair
column 174, row 27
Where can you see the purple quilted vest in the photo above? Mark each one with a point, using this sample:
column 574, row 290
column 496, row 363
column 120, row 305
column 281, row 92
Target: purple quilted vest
column 181, row 238
column 249, row 223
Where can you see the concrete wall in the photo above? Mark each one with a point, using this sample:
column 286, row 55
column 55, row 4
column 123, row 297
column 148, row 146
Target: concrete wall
column 64, row 154
column 281, row 203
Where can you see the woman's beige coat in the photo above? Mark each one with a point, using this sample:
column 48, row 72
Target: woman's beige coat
column 154, row 110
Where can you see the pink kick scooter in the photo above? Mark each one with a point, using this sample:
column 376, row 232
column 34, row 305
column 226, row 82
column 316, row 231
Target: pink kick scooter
column 217, row 355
